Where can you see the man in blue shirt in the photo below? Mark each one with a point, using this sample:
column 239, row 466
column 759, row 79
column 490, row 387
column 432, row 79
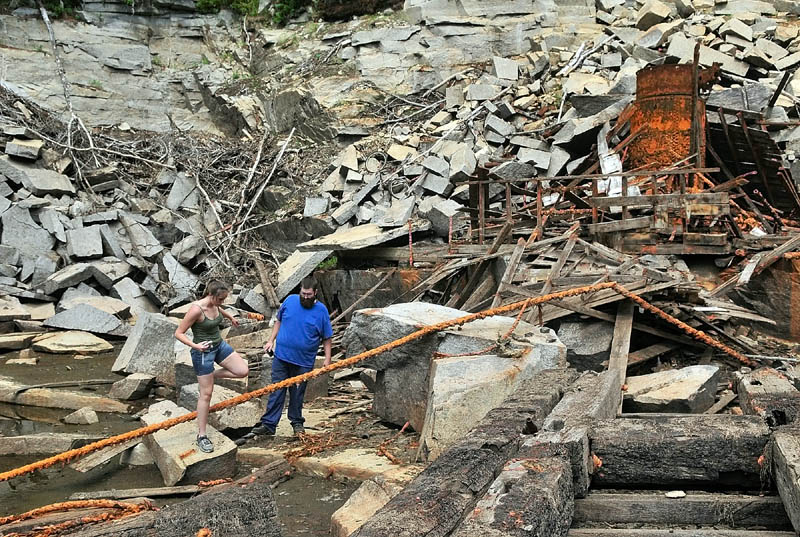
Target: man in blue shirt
column 303, row 323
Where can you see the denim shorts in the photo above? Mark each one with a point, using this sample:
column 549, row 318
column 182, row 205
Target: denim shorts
column 203, row 361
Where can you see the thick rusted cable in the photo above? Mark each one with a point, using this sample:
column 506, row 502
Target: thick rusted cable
column 76, row 504
column 697, row 334
column 67, row 456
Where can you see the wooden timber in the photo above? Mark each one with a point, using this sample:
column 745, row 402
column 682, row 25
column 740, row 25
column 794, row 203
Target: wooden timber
column 436, row 501
column 680, row 451
column 704, row 532
column 736, row 510
column 786, row 471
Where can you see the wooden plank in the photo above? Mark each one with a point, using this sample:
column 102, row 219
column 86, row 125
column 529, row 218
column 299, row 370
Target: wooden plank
column 95, row 459
column 675, row 201
column 764, row 263
column 155, row 492
column 724, row 400
column 620, row 225
column 786, row 471
column 620, row 345
column 737, row 510
column 711, row 239
column 508, row 274
column 648, row 353
column 266, row 285
column 712, row 450
column 554, row 272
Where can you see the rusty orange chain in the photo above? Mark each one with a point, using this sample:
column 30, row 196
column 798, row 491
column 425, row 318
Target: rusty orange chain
column 125, row 509
column 67, row 456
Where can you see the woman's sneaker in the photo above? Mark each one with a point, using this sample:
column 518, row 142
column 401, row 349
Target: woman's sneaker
column 205, row 445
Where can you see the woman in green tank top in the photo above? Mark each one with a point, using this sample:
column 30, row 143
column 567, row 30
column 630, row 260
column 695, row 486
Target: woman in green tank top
column 208, row 348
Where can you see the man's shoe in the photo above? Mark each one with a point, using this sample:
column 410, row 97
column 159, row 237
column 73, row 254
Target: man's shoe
column 205, row 445
column 298, row 429
column 261, row 430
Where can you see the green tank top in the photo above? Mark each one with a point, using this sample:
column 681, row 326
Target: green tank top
column 207, row 330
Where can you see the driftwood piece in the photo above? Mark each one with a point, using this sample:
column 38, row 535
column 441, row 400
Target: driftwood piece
column 677, row 451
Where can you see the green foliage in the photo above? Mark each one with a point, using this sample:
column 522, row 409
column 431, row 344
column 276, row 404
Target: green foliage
column 57, row 9
column 283, row 10
column 329, row 263
column 96, row 84
column 156, row 60
column 244, row 7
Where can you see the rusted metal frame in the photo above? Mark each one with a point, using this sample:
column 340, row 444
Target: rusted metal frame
column 731, row 146
column 638, row 173
column 539, row 223
column 783, row 174
column 595, row 193
column 694, row 140
column 625, row 213
column 782, row 84
column 752, row 206
column 757, row 157
column 508, row 202
column 481, row 211
column 776, row 216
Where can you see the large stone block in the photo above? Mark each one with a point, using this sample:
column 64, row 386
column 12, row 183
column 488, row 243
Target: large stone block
column 149, row 348
column 689, row 389
column 88, row 319
column 476, row 375
column 176, row 453
column 235, row 417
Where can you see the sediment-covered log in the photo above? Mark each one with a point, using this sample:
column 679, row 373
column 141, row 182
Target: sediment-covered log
column 713, row 450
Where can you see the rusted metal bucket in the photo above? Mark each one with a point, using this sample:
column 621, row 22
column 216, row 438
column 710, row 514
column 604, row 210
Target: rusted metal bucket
column 663, row 112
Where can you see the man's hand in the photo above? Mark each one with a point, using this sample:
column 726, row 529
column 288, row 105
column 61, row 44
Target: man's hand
column 269, row 346
column 327, row 362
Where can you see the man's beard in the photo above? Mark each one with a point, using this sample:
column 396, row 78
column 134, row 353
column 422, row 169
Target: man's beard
column 307, row 303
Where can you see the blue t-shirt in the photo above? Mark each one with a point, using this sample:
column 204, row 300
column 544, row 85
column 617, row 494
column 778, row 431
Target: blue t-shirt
column 301, row 331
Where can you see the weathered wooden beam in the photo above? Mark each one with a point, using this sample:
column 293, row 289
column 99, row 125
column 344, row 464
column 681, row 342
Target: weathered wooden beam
column 786, row 471
column 712, row 450
column 648, row 353
column 736, row 510
column 534, row 494
column 437, row 500
column 508, row 274
column 152, row 492
column 565, row 431
column 662, row 200
column 765, row 261
column 620, row 344
column 620, row 225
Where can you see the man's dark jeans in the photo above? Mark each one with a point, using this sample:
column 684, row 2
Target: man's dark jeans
column 281, row 371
